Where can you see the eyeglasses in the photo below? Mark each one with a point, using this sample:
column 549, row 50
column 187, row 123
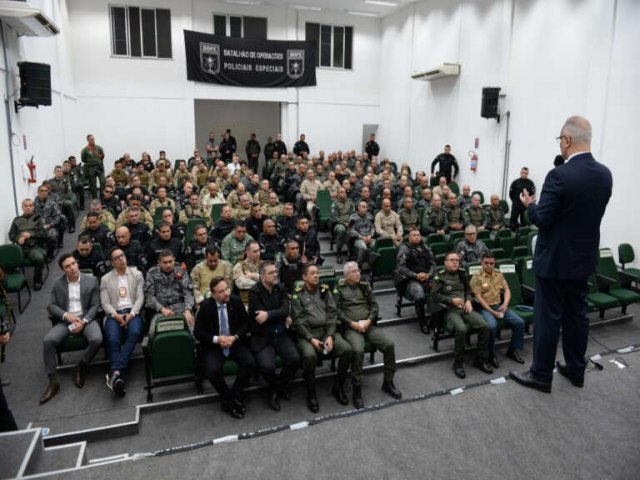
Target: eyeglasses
column 118, row 257
column 559, row 139
column 471, row 234
column 489, row 264
column 454, row 260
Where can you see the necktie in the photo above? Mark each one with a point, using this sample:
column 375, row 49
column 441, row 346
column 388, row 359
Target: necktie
column 224, row 326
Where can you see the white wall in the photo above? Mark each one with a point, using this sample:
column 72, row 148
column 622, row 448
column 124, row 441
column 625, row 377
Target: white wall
column 136, row 99
column 47, row 129
column 552, row 58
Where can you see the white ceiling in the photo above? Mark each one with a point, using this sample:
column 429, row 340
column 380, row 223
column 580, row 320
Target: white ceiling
column 333, row 6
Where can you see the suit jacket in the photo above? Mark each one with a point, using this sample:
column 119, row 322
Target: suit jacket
column 276, row 304
column 207, row 324
column 89, row 297
column 109, row 291
column 572, row 203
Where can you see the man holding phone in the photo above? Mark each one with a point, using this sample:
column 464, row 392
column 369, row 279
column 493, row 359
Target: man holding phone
column 315, row 318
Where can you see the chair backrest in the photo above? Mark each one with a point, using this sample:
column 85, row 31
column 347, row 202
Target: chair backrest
column 191, row 228
column 455, row 237
column 439, row 247
column 522, row 236
column 323, row 200
column 505, row 232
column 480, row 194
column 625, row 254
column 11, row 256
column 386, row 263
column 498, row 252
column 507, row 244
column 473, row 268
column 216, row 210
column 606, row 265
column 453, row 186
column 384, row 242
column 484, row 234
column 434, row 238
column 172, row 348
column 157, row 217
column 504, row 205
column 508, row 270
column 527, row 275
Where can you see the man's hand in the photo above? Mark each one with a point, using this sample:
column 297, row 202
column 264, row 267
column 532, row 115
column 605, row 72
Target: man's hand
column 355, row 326
column 261, row 316
column 120, row 318
column 328, row 344
column 226, row 341
column 166, row 312
column 288, row 321
column 4, row 339
column 503, row 308
column 458, row 302
column 468, row 307
column 77, row 327
column 189, row 318
column 422, row 276
column 527, row 199
column 317, row 344
column 364, row 325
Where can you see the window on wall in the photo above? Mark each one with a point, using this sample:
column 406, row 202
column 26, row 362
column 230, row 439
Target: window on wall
column 140, row 32
column 334, row 44
column 240, row 27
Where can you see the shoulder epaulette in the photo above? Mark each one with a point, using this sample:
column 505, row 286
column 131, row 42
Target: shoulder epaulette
column 342, row 282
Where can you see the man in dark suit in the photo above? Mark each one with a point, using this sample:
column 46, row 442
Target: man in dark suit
column 573, row 201
column 73, row 306
column 221, row 326
column 269, row 322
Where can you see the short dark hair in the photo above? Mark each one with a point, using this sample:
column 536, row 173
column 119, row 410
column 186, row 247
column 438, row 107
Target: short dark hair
column 308, row 266
column 112, row 251
column 212, row 250
column 165, row 253
column 488, row 255
column 162, row 224
column 64, row 257
column 215, row 281
column 93, row 215
column 452, row 252
column 84, row 239
column 264, row 265
column 240, row 223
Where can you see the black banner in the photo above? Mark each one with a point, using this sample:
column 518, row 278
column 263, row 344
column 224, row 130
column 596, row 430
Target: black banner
column 249, row 63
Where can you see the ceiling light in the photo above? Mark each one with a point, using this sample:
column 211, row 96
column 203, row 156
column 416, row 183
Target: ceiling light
column 310, row 8
column 244, row 2
column 382, row 2
column 362, row 14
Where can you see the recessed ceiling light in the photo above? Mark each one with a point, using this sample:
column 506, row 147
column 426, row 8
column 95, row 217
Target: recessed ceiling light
column 311, row 8
column 382, row 2
column 362, row 14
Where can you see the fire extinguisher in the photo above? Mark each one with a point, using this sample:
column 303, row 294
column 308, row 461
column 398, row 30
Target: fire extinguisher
column 473, row 160
column 32, row 171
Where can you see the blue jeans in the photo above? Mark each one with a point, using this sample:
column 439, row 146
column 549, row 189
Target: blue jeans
column 119, row 352
column 513, row 320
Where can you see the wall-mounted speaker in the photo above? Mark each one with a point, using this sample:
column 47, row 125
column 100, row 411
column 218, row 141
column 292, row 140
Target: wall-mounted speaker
column 490, row 96
column 35, row 84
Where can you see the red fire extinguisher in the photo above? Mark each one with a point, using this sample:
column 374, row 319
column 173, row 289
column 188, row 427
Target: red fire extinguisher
column 473, row 160
column 32, row 171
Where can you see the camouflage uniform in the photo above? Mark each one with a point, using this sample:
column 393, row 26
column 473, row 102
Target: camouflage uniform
column 454, row 215
column 273, row 211
column 354, row 303
column 63, row 190
column 171, row 290
column 341, row 212
column 233, row 249
column 315, row 315
column 201, row 276
column 93, row 167
column 474, row 216
column 359, row 227
column 434, row 220
column 470, row 252
column 106, row 218
column 495, row 217
column 447, row 286
column 388, row 226
column 51, row 215
column 408, row 218
column 145, row 217
column 411, row 260
column 240, row 279
column 190, row 213
column 34, row 247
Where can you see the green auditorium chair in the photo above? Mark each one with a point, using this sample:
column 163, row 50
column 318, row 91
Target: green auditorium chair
column 171, row 355
column 609, row 280
column 12, row 262
column 385, row 264
column 434, row 238
column 216, row 210
column 625, row 256
column 323, row 202
column 507, row 244
column 453, row 186
column 455, row 237
column 479, row 193
column 517, row 303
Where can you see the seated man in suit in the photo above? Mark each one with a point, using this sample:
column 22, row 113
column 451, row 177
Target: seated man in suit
column 358, row 312
column 73, row 305
column 269, row 320
column 315, row 318
column 221, row 327
column 122, row 299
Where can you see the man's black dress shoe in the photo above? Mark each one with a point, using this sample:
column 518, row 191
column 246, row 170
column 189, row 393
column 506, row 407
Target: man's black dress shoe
column 273, row 401
column 515, row 356
column 526, row 379
column 458, row 369
column 232, row 409
column 50, row 392
column 78, row 376
column 338, row 392
column 339, row 259
column 358, row 402
column 312, row 403
column 482, row 365
column 392, row 390
column 493, row 361
column 575, row 381
column 240, row 405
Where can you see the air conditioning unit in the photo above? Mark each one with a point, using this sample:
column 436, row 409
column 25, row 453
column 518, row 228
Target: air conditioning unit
column 27, row 20
column 441, row 71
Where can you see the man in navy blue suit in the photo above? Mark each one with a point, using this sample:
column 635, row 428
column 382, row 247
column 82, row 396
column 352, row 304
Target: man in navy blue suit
column 572, row 203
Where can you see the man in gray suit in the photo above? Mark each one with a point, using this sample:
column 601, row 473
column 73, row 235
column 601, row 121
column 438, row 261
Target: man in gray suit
column 122, row 298
column 73, row 305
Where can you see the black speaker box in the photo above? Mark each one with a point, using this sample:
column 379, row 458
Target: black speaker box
column 35, row 83
column 489, row 107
